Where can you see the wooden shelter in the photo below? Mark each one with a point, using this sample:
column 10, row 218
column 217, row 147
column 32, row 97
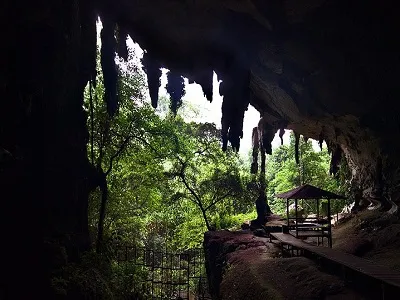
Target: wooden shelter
column 313, row 228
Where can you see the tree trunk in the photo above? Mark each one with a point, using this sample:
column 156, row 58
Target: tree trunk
column 203, row 212
column 205, row 218
column 103, row 206
column 262, row 208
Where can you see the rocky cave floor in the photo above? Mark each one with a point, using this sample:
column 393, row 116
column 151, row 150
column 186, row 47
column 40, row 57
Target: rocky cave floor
column 254, row 269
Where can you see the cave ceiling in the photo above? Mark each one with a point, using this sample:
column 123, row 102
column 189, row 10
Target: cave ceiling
column 323, row 67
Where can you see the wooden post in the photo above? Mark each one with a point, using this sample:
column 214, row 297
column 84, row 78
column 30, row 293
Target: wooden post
column 329, row 224
column 287, row 212
column 318, row 223
column 297, row 222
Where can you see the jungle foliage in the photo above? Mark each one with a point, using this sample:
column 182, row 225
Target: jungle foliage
column 283, row 174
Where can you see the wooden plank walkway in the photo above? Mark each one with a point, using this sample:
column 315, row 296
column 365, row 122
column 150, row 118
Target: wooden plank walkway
column 309, row 233
column 358, row 264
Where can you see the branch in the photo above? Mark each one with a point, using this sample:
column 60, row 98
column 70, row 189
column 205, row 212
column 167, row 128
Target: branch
column 116, row 154
column 187, row 196
column 149, row 145
column 182, row 176
column 200, row 152
column 218, row 200
column 144, row 141
column 167, row 133
column 123, row 145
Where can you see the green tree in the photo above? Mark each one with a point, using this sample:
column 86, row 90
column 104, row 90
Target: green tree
column 206, row 174
column 126, row 150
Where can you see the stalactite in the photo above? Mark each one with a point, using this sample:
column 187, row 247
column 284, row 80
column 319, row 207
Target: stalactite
column 267, row 133
column 225, row 123
column 256, row 147
column 282, row 125
column 206, row 82
column 335, row 160
column 235, row 89
column 205, row 79
column 236, row 128
column 153, row 70
column 222, row 88
column 296, row 147
column 122, row 49
column 176, row 89
column 224, row 134
column 321, row 140
column 330, row 145
column 108, row 47
column 281, row 134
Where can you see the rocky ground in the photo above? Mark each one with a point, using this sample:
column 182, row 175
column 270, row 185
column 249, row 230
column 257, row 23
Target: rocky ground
column 371, row 235
column 249, row 267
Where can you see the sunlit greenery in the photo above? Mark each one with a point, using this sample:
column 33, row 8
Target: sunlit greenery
column 284, row 174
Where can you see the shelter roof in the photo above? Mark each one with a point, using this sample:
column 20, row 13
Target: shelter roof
column 308, row 191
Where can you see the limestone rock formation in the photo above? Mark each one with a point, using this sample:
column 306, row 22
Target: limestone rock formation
column 325, row 69
column 242, row 266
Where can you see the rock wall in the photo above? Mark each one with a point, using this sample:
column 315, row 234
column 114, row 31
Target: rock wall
column 241, row 266
column 46, row 61
column 220, row 245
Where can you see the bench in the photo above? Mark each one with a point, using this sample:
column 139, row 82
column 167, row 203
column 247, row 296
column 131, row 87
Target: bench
column 305, row 230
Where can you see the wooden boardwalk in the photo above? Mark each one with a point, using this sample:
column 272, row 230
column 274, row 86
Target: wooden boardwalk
column 309, row 233
column 360, row 265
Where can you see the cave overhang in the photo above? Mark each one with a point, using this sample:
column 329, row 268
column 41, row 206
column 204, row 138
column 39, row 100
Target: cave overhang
column 323, row 68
